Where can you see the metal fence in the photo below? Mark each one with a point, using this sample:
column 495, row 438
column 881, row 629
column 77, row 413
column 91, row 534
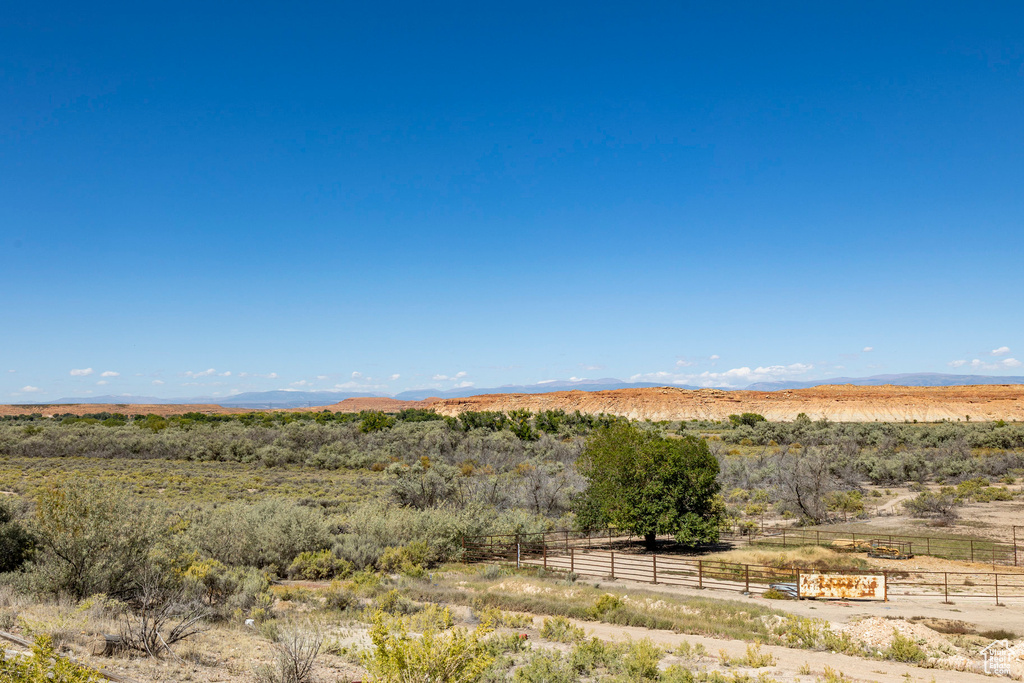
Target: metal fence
column 967, row 550
column 613, row 556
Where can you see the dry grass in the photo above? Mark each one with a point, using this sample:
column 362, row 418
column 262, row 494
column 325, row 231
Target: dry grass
column 803, row 557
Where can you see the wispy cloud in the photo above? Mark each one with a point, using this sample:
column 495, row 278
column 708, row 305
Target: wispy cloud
column 158, row 382
column 978, row 364
column 29, row 389
column 394, row 377
column 736, row 377
column 868, row 349
column 1001, row 351
column 102, row 382
column 300, row 383
column 110, row 373
column 82, row 372
column 591, row 368
column 204, row 373
column 445, row 378
column 714, row 356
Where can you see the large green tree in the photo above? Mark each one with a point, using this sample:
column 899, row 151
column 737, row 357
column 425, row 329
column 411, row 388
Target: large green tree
column 642, row 482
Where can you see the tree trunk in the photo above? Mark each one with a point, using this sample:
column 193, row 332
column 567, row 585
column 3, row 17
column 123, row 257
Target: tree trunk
column 650, row 541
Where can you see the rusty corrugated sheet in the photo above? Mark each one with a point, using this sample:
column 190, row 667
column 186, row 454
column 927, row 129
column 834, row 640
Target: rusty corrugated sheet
column 843, row 586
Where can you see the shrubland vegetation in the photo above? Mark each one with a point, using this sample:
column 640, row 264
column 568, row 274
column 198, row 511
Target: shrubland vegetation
column 180, row 523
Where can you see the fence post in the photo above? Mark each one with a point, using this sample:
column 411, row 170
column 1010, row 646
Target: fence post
column 612, row 553
column 464, row 560
column 700, row 573
column 747, row 568
column 572, row 560
column 972, row 550
column 654, row 567
column 797, row 584
column 544, row 547
column 927, row 545
column 817, row 537
column 783, row 537
column 997, row 588
column 945, row 584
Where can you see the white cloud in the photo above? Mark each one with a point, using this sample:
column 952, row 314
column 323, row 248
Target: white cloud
column 110, row 373
column 356, row 375
column 574, row 379
column 394, row 377
column 29, row 389
column 226, row 373
column 272, row 375
column 321, row 377
column 463, row 385
column 730, row 378
column 978, row 364
column 83, row 372
column 683, row 363
column 204, row 373
column 1001, row 351
column 362, row 386
column 868, row 349
column 158, row 382
column 102, row 382
column 445, row 378
column 714, row 356
column 12, row 371
column 300, row 383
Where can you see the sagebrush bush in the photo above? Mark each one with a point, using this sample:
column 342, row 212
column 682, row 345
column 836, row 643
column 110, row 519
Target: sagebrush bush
column 319, row 566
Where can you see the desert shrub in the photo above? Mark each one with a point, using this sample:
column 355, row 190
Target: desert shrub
column 545, row 666
column 396, row 657
column 268, row 534
column 561, row 630
column 496, row 617
column 604, row 604
column 640, row 660
column 415, row 554
column 44, row 666
column 17, row 545
column 590, row 655
column 394, row 603
column 318, row 566
column 939, row 505
column 230, row 591
column 92, row 540
column 338, row 596
column 297, row 649
column 904, row 649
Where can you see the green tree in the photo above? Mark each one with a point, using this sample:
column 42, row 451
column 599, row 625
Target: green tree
column 641, row 482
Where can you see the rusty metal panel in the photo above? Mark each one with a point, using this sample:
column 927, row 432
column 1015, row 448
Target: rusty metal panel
column 843, row 586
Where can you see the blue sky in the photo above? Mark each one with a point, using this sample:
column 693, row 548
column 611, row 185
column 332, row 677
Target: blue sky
column 385, row 196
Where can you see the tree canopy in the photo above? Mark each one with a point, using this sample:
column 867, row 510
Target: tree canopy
column 644, row 483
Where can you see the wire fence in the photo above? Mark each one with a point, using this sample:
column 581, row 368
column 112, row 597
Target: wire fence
column 615, row 556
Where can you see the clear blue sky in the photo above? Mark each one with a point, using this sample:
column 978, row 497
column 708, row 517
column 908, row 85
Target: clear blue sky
column 391, row 196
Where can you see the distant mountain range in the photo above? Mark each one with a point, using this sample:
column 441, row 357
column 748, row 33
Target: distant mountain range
column 915, row 379
column 302, row 399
